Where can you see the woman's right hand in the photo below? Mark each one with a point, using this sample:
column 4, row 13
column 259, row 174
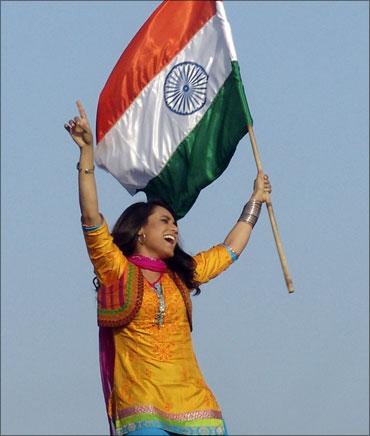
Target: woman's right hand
column 79, row 128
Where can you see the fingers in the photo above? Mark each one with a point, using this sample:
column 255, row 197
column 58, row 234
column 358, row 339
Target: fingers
column 73, row 126
column 69, row 126
column 79, row 122
column 261, row 174
column 79, row 128
column 81, row 109
column 266, row 184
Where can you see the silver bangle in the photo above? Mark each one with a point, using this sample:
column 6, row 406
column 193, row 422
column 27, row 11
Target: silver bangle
column 86, row 170
column 251, row 211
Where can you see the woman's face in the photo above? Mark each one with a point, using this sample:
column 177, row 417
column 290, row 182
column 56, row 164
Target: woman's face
column 160, row 235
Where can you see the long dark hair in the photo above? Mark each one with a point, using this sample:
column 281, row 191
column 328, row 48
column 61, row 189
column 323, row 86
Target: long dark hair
column 125, row 236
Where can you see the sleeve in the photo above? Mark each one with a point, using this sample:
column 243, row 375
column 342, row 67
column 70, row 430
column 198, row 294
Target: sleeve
column 107, row 259
column 211, row 263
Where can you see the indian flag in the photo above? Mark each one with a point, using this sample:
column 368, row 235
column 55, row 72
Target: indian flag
column 173, row 109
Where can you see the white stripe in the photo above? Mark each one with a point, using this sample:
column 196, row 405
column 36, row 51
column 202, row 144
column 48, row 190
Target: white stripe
column 226, row 29
column 141, row 142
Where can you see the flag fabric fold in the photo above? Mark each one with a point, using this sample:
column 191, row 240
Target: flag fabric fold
column 173, row 109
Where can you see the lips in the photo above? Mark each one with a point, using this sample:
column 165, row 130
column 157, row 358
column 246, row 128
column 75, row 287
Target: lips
column 170, row 238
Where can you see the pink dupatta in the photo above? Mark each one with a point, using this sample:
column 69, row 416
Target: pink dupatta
column 106, row 357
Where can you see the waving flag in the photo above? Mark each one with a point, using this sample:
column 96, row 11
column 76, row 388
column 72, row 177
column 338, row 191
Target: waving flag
column 173, row 109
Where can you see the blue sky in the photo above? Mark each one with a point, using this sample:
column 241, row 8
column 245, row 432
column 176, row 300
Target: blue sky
column 277, row 363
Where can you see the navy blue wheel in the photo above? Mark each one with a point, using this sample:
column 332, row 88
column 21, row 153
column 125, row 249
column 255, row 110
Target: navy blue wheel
column 185, row 88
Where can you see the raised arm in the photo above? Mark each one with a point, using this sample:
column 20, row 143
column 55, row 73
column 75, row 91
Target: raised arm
column 238, row 237
column 107, row 258
column 80, row 131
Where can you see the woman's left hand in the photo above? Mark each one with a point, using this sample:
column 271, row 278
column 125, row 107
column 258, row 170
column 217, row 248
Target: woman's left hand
column 262, row 187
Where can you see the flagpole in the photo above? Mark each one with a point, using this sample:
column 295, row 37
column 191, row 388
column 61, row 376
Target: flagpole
column 275, row 230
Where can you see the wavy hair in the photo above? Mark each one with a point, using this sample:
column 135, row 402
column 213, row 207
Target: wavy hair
column 125, row 236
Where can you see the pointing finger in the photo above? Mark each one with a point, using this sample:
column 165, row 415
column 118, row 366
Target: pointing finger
column 81, row 109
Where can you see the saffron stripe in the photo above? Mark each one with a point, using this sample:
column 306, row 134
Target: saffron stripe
column 172, row 25
column 139, row 145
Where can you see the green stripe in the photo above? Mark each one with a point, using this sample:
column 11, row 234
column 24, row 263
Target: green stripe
column 206, row 152
column 150, row 417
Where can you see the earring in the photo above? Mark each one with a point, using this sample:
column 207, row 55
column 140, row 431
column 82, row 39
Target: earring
column 141, row 238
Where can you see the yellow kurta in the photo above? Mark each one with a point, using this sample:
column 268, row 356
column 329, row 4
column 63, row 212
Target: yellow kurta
column 157, row 381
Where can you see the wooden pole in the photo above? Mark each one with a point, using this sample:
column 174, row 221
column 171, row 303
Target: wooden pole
column 275, row 231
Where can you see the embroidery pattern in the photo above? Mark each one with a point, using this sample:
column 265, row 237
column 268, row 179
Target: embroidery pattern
column 203, row 430
column 119, row 303
column 187, row 416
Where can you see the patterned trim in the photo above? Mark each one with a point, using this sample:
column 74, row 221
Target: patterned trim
column 233, row 254
column 186, row 416
column 178, row 429
column 119, row 303
column 88, row 229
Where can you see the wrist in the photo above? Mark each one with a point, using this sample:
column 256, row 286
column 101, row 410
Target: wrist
column 85, row 164
column 87, row 156
column 256, row 197
column 87, row 149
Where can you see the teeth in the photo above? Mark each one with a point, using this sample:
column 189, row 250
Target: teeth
column 169, row 238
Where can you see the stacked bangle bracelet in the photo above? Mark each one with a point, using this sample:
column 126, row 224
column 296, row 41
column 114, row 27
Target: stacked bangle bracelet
column 251, row 212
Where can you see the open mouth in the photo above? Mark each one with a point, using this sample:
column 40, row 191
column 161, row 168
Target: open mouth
column 170, row 239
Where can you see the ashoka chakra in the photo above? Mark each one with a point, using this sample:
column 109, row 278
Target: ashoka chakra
column 185, row 88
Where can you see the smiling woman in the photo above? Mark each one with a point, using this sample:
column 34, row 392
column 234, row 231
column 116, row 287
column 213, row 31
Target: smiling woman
column 151, row 379
column 150, row 231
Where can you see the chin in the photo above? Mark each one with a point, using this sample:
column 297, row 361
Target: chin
column 166, row 252
column 168, row 255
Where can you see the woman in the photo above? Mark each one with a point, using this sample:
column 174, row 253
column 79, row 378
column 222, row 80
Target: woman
column 151, row 380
